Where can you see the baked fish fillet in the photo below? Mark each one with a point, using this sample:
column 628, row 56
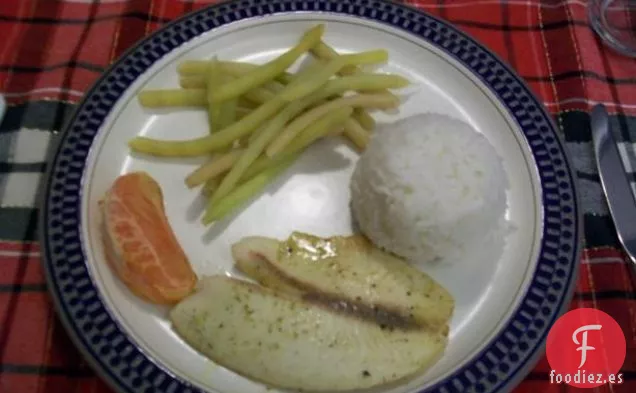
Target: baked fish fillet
column 345, row 267
column 285, row 341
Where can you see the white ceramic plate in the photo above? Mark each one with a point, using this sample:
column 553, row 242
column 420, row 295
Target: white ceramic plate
column 506, row 296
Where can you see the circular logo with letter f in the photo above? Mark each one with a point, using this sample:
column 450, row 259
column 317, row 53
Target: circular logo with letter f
column 586, row 348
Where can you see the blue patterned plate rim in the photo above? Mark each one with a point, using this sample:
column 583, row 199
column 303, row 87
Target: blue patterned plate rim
column 504, row 361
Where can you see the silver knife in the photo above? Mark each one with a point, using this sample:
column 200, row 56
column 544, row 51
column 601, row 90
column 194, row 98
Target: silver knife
column 618, row 191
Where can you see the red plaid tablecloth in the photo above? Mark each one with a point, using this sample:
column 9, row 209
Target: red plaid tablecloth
column 52, row 50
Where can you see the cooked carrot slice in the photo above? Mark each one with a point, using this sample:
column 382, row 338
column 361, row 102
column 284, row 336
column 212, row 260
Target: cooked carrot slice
column 140, row 245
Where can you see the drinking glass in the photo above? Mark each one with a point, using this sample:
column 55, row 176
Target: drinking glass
column 615, row 22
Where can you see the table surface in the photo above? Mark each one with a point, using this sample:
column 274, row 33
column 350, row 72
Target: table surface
column 52, row 50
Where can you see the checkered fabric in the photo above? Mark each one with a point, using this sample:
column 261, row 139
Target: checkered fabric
column 52, row 50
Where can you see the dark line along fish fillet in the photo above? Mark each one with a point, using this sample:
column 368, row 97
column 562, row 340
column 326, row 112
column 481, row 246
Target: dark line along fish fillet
column 288, row 342
column 348, row 268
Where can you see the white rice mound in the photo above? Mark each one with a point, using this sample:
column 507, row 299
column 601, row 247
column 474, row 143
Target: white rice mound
column 429, row 188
